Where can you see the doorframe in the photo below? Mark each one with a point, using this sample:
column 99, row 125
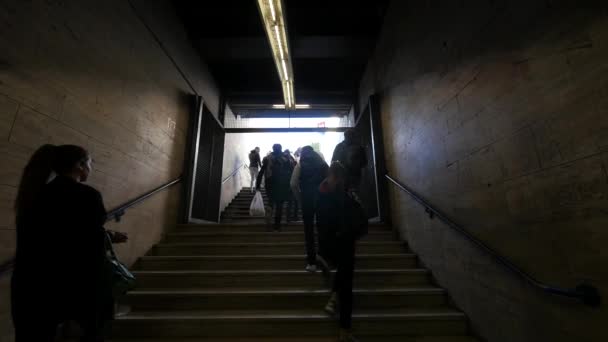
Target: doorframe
column 377, row 140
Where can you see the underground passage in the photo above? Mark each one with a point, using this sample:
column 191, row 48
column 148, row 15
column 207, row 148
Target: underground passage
column 309, row 171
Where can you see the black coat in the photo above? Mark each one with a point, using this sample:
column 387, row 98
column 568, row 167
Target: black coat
column 340, row 219
column 276, row 168
column 60, row 269
column 353, row 158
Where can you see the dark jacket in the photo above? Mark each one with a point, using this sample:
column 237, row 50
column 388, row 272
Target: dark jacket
column 254, row 159
column 354, row 159
column 276, row 168
column 340, row 218
column 313, row 170
column 60, row 267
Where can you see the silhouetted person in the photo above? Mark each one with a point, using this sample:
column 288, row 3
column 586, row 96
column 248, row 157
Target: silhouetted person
column 342, row 221
column 352, row 156
column 308, row 175
column 60, row 272
column 254, row 165
column 276, row 169
column 292, row 202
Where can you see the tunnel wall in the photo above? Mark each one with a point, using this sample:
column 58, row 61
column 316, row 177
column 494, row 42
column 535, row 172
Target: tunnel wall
column 90, row 73
column 235, row 157
column 496, row 112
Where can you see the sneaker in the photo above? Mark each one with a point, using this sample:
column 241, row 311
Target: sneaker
column 311, row 268
column 347, row 336
column 121, row 310
column 331, row 305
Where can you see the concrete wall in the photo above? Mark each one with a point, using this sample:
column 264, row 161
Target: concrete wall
column 90, row 73
column 496, row 111
column 235, row 155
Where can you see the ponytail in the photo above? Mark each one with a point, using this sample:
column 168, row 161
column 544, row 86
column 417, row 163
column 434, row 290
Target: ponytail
column 46, row 160
column 34, row 177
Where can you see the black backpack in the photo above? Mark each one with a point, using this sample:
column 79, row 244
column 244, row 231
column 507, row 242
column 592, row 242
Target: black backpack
column 312, row 172
column 280, row 167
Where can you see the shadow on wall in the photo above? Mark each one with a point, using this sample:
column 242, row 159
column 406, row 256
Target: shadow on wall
column 498, row 117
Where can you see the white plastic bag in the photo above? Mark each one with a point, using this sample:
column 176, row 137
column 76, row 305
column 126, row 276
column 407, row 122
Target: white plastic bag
column 257, row 206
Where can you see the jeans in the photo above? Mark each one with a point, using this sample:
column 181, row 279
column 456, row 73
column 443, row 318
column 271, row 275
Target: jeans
column 277, row 208
column 292, row 209
column 343, row 282
column 253, row 171
column 308, row 212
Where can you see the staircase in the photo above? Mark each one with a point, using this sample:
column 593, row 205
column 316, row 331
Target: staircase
column 238, row 210
column 238, row 282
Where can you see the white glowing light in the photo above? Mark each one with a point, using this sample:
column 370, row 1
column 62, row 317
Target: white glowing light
column 272, row 12
column 279, row 43
column 285, row 69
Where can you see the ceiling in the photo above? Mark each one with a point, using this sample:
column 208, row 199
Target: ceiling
column 330, row 43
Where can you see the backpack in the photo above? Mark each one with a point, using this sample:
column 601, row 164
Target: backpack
column 312, row 172
column 355, row 157
column 279, row 167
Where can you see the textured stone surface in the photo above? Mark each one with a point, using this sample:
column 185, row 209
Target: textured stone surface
column 496, row 112
column 235, row 155
column 90, row 73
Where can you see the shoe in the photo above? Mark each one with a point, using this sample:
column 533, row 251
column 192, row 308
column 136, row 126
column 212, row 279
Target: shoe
column 331, row 305
column 121, row 310
column 325, row 271
column 347, row 336
column 311, row 268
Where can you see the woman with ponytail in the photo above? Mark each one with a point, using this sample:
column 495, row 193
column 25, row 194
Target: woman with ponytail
column 60, row 270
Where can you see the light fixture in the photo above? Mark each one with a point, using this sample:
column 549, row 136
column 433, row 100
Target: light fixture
column 273, row 18
column 297, row 106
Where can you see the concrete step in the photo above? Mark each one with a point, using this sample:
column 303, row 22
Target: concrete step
column 298, row 324
column 245, row 215
column 265, row 279
column 266, row 248
column 244, row 209
column 228, row 300
column 264, row 262
column 249, row 195
column 248, row 237
column 252, row 226
column 331, row 338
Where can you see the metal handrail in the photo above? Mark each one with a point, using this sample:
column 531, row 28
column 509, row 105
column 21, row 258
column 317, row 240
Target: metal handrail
column 114, row 214
column 587, row 293
column 242, row 166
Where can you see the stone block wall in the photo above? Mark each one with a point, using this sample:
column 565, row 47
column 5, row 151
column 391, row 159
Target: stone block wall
column 497, row 113
column 91, row 73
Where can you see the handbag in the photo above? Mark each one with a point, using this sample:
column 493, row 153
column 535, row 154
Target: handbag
column 121, row 279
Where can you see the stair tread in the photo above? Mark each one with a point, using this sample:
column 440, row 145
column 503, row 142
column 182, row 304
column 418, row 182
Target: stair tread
column 279, row 291
column 258, row 256
column 263, row 244
column 402, row 314
column 448, row 338
column 278, row 272
column 371, row 224
column 245, row 233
